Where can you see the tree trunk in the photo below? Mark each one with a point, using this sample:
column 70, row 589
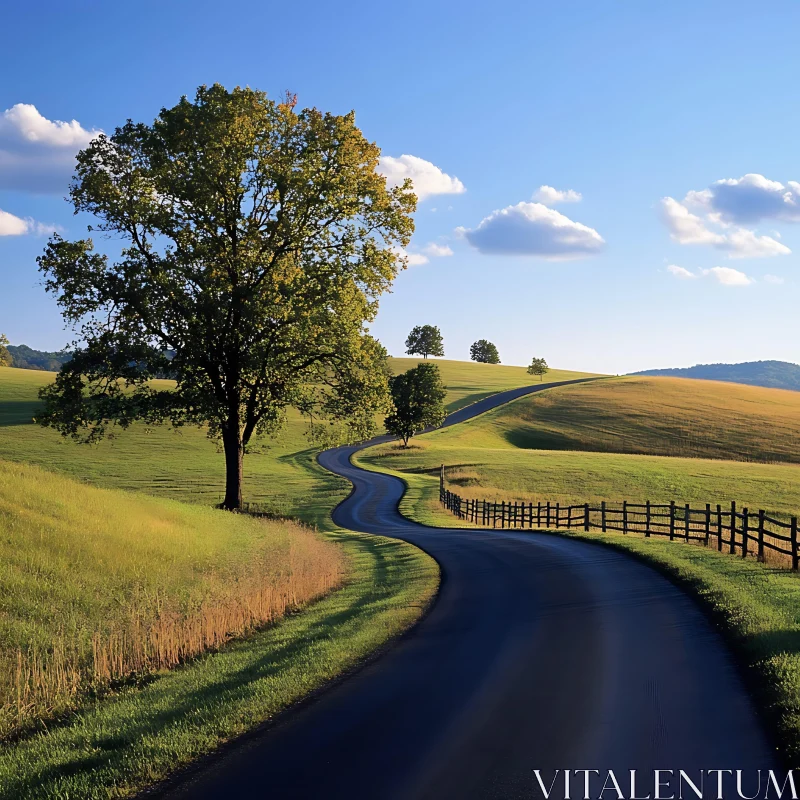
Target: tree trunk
column 234, row 455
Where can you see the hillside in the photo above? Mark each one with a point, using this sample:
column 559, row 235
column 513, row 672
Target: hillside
column 25, row 357
column 280, row 473
column 93, row 579
column 770, row 374
column 639, row 439
column 652, row 416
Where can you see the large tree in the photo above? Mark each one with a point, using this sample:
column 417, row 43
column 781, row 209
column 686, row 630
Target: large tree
column 256, row 240
column 484, row 351
column 425, row 340
column 418, row 399
column 5, row 356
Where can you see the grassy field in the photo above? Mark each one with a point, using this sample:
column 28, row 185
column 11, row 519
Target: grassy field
column 655, row 416
column 141, row 734
column 281, row 474
column 99, row 585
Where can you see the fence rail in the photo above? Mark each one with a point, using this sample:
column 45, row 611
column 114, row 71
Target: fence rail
column 736, row 531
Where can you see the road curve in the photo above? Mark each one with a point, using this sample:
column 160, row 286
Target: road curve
column 540, row 652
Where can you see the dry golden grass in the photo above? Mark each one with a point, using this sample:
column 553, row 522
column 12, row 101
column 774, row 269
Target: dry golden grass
column 647, row 415
column 100, row 586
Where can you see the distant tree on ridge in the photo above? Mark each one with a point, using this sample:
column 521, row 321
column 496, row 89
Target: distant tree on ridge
column 425, row 340
column 484, row 352
column 538, row 367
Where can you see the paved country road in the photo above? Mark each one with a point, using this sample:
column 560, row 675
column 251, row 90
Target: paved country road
column 540, row 652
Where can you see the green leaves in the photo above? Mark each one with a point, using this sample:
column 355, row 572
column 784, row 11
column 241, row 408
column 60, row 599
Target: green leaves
column 418, row 397
column 484, row 352
column 257, row 241
column 425, row 340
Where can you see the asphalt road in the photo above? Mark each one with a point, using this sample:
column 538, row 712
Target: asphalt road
column 539, row 653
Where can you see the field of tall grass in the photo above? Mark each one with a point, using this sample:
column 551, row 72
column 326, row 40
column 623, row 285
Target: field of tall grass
column 102, row 586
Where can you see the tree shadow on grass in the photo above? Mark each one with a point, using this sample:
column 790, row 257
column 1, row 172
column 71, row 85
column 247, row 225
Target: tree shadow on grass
column 18, row 412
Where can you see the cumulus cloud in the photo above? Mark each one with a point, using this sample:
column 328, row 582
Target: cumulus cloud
column 533, row 229
column 728, row 276
column 688, row 228
column 11, row 225
column 680, row 272
column 427, row 178
column 749, row 199
column 38, row 154
column 437, row 250
column 774, row 279
column 551, row 197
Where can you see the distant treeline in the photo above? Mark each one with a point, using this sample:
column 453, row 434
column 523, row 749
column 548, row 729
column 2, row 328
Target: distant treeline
column 24, row 357
column 771, row 374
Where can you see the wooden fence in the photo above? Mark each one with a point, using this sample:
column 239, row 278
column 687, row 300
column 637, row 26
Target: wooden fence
column 736, row 531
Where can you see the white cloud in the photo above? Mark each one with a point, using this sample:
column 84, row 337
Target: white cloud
column 728, row 276
column 437, row 250
column 774, row 279
column 688, row 228
column 551, row 197
column 749, row 199
column 415, row 259
column 427, row 178
column 11, row 225
column 533, row 229
column 38, row 154
column 680, row 272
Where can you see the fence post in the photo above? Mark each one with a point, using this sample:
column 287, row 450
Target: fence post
column 647, row 520
column 719, row 527
column 624, row 516
column 569, row 517
column 548, row 513
column 558, row 514
column 503, row 514
column 530, row 515
column 761, row 535
column 745, row 526
column 686, row 522
column 733, row 526
column 538, row 513
column 671, row 520
column 708, row 523
column 793, row 536
column 586, row 517
column 603, row 515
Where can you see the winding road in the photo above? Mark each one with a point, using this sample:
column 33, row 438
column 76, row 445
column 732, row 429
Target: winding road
column 540, row 652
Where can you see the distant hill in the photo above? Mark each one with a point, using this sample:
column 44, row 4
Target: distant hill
column 25, row 357
column 772, row 374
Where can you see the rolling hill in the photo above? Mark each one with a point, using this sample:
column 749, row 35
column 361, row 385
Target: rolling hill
column 771, row 374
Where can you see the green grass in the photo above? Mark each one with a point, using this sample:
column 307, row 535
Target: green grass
column 97, row 585
column 655, row 416
column 141, row 735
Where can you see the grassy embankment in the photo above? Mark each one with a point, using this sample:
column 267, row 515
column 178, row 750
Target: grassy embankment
column 102, row 585
column 614, row 435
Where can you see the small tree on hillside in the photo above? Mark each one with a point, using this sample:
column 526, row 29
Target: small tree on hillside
column 418, row 397
column 425, row 340
column 5, row 356
column 257, row 240
column 538, row 367
column 484, row 352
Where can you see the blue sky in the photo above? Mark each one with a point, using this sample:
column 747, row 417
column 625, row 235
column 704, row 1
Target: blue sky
column 625, row 103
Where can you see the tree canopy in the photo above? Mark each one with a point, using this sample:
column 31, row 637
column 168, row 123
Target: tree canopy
column 256, row 241
column 485, row 352
column 418, row 398
column 425, row 340
column 538, row 367
column 5, row 356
